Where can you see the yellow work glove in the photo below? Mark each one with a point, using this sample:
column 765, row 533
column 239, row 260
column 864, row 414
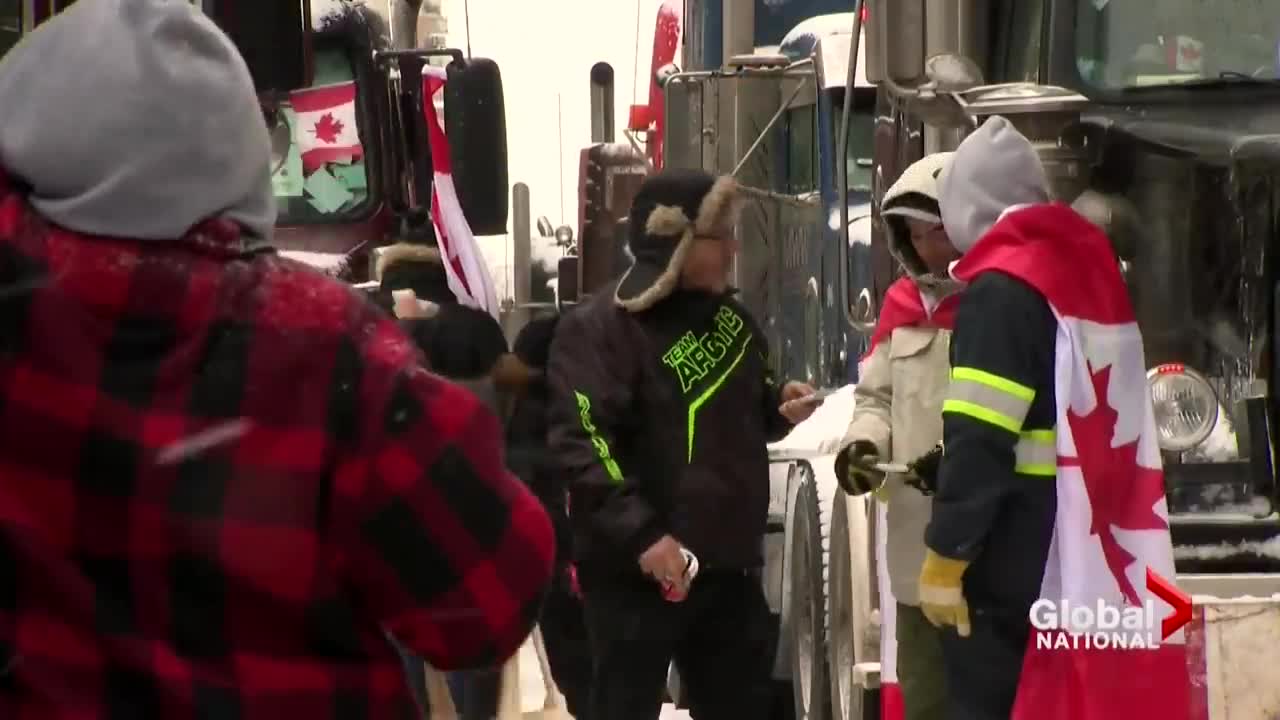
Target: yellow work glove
column 941, row 592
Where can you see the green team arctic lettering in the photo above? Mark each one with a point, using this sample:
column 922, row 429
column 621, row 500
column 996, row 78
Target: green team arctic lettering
column 694, row 358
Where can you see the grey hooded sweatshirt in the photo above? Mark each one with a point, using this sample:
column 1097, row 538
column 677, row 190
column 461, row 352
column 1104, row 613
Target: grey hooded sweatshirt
column 994, row 169
column 135, row 119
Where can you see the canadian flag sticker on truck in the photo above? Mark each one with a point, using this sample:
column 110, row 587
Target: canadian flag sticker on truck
column 326, row 125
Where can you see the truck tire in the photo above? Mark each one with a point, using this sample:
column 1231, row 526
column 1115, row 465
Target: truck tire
column 808, row 583
column 854, row 635
column 782, row 657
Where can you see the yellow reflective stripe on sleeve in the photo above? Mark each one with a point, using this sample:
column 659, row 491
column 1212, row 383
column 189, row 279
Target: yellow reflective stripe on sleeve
column 1036, row 453
column 982, row 377
column 989, row 398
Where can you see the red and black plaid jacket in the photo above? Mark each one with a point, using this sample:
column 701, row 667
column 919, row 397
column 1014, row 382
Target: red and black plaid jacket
column 222, row 477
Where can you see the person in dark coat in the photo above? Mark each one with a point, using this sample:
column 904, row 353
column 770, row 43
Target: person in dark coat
column 993, row 515
column 225, row 477
column 662, row 408
column 564, row 630
column 441, row 322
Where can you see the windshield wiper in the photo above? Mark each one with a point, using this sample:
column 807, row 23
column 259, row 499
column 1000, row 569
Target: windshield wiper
column 1226, row 78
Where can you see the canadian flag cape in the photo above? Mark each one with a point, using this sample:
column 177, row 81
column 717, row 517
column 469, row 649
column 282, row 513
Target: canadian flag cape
column 326, row 119
column 1112, row 518
column 904, row 305
column 465, row 267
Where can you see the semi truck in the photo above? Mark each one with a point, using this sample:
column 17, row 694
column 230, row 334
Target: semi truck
column 1159, row 123
column 361, row 57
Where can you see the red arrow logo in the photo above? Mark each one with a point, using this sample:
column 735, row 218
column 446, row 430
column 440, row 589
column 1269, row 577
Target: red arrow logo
column 1180, row 601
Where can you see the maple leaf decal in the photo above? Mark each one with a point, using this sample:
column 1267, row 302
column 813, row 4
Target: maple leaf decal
column 1122, row 493
column 327, row 129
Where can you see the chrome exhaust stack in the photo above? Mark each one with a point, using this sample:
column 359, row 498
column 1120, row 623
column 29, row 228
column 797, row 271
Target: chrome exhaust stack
column 601, row 103
column 404, row 23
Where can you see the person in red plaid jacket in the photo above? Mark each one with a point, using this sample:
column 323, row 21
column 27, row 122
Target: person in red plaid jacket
column 224, row 478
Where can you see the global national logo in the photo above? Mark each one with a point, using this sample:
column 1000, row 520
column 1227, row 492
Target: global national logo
column 1063, row 625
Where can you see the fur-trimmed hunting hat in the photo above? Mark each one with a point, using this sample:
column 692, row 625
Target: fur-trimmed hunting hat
column 413, row 263
column 670, row 209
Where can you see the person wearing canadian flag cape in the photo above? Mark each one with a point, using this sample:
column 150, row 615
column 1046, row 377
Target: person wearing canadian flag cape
column 903, row 380
column 1050, row 487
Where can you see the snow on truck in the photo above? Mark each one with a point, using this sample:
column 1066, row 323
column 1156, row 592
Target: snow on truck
column 351, row 162
column 1159, row 121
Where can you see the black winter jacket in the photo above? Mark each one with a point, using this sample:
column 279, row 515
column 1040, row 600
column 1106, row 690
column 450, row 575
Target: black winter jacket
column 660, row 420
column 993, row 507
column 531, row 461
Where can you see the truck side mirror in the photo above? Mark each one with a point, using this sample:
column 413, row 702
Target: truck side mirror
column 951, row 73
column 934, row 102
column 272, row 37
column 476, row 125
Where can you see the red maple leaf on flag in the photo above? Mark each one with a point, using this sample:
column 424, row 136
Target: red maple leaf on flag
column 327, row 129
column 1190, row 53
column 1122, row 493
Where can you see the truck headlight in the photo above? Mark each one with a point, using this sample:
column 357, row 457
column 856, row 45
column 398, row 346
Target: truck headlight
column 1186, row 407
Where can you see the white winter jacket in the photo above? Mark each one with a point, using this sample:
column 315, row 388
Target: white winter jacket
column 903, row 382
column 899, row 408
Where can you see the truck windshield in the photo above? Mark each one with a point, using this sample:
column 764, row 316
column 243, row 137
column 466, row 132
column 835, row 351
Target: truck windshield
column 1144, row 43
column 10, row 24
column 862, row 125
column 317, row 158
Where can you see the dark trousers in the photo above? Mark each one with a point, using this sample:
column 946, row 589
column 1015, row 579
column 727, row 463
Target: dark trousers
column 983, row 669
column 475, row 692
column 564, row 633
column 413, row 670
column 921, row 669
column 720, row 638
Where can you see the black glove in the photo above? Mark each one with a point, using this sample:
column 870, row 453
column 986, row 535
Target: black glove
column 856, row 468
column 923, row 474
